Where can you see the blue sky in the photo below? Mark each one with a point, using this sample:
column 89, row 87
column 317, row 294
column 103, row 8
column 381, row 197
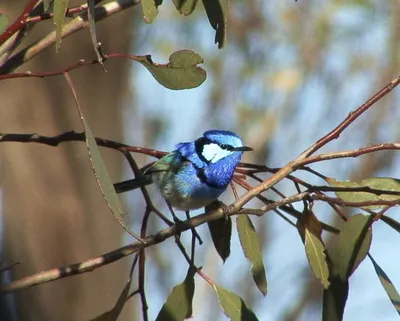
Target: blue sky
column 186, row 115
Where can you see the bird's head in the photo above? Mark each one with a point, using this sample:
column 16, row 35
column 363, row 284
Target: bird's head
column 216, row 145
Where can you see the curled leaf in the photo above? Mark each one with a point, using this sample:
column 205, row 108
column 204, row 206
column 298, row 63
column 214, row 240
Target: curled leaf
column 181, row 72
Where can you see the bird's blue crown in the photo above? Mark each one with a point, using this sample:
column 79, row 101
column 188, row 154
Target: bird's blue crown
column 216, row 154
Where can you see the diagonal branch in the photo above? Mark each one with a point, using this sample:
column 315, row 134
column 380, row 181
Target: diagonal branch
column 80, row 22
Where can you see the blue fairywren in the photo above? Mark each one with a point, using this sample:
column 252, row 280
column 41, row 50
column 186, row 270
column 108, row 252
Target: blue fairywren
column 196, row 173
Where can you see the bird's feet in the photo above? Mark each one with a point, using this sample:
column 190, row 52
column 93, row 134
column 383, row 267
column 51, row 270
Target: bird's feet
column 219, row 205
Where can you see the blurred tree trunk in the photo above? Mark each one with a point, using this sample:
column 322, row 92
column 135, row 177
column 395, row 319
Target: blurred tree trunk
column 53, row 212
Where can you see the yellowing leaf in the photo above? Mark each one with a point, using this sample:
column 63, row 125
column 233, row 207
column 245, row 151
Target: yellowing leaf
column 310, row 231
column 233, row 306
column 3, row 22
column 252, row 250
column 377, row 183
column 315, row 252
column 59, row 9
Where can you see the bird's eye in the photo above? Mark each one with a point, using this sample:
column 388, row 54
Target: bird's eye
column 226, row 147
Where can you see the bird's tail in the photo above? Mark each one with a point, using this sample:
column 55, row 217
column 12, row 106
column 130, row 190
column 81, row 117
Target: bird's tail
column 131, row 184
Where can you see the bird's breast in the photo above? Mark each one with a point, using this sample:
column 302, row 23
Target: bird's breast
column 185, row 190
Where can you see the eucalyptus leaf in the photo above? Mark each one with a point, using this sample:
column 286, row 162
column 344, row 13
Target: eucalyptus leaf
column 391, row 222
column 3, row 22
column 387, row 285
column 351, row 246
column 92, row 28
column 47, row 4
column 315, row 251
column 310, row 232
column 233, row 306
column 59, row 9
column 103, row 178
column 221, row 232
column 377, row 183
column 185, row 7
column 217, row 13
column 334, row 299
column 179, row 303
column 252, row 250
column 150, row 9
column 181, row 72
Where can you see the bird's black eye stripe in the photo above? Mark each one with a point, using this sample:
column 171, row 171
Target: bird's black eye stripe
column 199, row 145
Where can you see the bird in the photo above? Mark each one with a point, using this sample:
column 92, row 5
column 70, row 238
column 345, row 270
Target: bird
column 196, row 173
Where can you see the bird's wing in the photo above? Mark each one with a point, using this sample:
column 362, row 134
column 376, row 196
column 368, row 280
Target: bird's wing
column 171, row 161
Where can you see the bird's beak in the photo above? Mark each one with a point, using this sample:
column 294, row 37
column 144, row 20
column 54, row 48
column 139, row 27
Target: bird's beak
column 243, row 149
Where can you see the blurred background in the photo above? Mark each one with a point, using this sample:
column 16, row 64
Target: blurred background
column 290, row 72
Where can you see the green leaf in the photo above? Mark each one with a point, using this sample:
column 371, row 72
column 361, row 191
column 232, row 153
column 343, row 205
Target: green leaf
column 377, row 183
column 179, row 303
column 387, row 285
column 185, row 7
column 334, row 299
column 150, row 9
column 92, row 28
column 351, row 246
column 59, row 9
column 310, row 231
column 233, row 306
column 3, row 22
column 252, row 250
column 102, row 177
column 217, row 13
column 46, row 4
column 221, row 232
column 181, row 72
column 315, row 251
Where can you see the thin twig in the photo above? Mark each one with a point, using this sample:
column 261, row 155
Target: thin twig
column 352, row 116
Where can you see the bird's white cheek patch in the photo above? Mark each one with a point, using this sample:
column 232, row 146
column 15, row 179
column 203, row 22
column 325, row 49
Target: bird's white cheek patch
column 213, row 153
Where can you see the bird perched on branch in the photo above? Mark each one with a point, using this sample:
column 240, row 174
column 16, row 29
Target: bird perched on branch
column 196, row 173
